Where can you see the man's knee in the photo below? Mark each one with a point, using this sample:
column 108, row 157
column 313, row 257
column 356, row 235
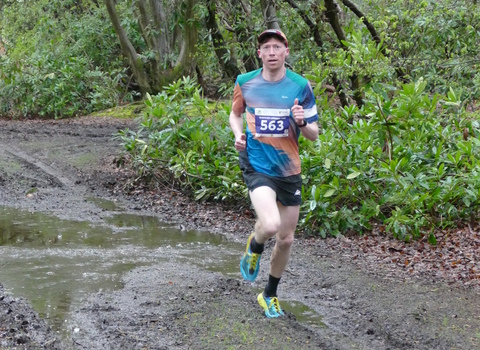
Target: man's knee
column 285, row 241
column 270, row 227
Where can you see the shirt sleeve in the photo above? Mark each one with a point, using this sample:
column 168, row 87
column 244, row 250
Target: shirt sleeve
column 309, row 104
column 238, row 104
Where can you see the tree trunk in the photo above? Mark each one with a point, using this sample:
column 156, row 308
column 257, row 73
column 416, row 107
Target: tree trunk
column 160, row 21
column 339, row 89
column 332, row 15
column 270, row 14
column 240, row 15
column 145, row 25
column 228, row 66
column 135, row 62
column 186, row 61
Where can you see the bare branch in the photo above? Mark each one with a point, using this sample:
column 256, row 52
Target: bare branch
column 364, row 19
column 332, row 15
column 373, row 32
column 229, row 67
column 311, row 25
column 269, row 14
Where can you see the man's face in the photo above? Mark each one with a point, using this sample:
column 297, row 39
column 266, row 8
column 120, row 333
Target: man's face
column 273, row 53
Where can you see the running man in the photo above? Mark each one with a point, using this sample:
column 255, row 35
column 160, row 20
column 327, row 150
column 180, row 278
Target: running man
column 279, row 105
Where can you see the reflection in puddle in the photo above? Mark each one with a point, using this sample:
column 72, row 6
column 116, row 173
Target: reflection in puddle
column 165, row 234
column 104, row 204
column 303, row 313
column 56, row 264
column 35, row 230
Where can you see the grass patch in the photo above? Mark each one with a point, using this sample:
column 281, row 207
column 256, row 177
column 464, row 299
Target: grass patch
column 128, row 111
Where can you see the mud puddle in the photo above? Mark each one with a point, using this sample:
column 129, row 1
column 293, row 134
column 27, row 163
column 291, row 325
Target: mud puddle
column 56, row 264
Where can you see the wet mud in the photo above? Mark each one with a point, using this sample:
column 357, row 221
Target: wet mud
column 57, row 167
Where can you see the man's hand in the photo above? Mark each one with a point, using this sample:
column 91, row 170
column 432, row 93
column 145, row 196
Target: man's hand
column 240, row 142
column 298, row 113
column 310, row 130
column 236, row 123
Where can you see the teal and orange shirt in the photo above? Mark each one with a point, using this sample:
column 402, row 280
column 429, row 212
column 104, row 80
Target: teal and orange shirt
column 272, row 134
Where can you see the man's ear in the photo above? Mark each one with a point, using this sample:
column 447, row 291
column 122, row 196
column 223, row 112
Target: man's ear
column 287, row 51
column 259, row 53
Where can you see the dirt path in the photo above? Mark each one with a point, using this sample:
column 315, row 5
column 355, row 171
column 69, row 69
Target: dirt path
column 53, row 166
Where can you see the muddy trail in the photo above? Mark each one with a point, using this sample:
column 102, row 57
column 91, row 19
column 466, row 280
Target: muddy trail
column 185, row 293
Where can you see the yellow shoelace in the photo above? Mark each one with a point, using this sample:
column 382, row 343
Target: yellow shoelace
column 275, row 303
column 253, row 260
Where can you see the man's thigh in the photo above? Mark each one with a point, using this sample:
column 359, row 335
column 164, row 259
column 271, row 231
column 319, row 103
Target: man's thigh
column 264, row 201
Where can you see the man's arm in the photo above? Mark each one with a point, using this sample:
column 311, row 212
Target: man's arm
column 236, row 123
column 310, row 131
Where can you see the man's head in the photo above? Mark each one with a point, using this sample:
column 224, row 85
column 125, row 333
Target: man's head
column 272, row 33
column 273, row 50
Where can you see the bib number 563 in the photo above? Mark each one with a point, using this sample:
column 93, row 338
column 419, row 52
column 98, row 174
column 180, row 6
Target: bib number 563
column 270, row 122
column 271, row 125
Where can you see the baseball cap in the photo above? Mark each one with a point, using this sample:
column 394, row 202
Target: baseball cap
column 273, row 32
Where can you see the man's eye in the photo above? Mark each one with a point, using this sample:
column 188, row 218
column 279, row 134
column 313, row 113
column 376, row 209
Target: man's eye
column 275, row 48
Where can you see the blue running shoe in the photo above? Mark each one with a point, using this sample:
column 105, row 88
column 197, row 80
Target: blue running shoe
column 270, row 305
column 250, row 262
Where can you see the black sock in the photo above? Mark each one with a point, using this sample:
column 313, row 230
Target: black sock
column 271, row 287
column 255, row 247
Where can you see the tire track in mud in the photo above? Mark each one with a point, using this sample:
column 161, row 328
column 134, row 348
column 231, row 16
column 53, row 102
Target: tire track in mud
column 52, row 174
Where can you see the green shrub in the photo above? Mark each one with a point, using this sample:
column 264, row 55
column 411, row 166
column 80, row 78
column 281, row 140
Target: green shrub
column 182, row 137
column 55, row 64
column 403, row 162
column 48, row 87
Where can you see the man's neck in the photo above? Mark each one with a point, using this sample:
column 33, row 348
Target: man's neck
column 275, row 75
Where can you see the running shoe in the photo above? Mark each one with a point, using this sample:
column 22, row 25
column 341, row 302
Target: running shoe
column 250, row 262
column 270, row 305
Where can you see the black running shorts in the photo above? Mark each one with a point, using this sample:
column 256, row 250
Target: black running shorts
column 288, row 189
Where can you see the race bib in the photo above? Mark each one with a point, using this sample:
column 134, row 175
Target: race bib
column 272, row 122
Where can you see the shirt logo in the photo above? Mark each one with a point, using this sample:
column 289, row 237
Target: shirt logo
column 283, row 96
column 298, row 193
